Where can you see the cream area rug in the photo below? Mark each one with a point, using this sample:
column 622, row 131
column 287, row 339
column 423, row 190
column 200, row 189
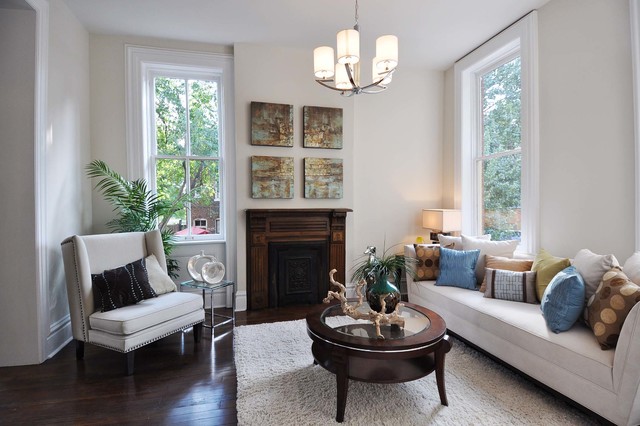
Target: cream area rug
column 278, row 384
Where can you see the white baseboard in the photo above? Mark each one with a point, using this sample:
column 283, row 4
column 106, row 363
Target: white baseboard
column 241, row 301
column 59, row 335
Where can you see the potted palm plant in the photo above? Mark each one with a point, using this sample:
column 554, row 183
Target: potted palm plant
column 382, row 275
column 137, row 208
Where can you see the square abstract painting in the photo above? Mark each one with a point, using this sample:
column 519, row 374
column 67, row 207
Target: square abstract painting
column 271, row 177
column 323, row 177
column 271, row 124
column 322, row 127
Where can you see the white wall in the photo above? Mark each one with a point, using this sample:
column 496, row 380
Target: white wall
column 68, row 197
column 284, row 75
column 18, row 304
column 586, row 128
column 398, row 160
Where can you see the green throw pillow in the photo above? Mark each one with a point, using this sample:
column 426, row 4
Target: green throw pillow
column 546, row 267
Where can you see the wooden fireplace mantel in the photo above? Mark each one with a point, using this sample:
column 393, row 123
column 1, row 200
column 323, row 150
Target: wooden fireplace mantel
column 266, row 226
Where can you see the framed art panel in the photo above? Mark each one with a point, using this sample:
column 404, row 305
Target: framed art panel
column 323, row 177
column 322, row 127
column 271, row 177
column 271, row 124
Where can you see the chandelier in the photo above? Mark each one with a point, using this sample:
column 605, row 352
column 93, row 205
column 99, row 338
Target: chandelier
column 345, row 74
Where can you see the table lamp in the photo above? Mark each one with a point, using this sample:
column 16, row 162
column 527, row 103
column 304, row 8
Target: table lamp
column 441, row 221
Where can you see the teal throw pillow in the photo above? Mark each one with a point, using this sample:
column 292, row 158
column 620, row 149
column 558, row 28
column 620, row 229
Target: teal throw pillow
column 563, row 300
column 458, row 268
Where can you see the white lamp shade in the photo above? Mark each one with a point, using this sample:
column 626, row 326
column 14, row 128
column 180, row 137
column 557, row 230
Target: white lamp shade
column 348, row 46
column 387, row 52
column 342, row 78
column 443, row 220
column 376, row 75
column 323, row 62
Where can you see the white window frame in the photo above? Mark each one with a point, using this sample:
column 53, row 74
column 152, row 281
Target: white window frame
column 143, row 64
column 519, row 39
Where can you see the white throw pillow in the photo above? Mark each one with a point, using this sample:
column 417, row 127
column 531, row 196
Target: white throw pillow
column 446, row 240
column 493, row 248
column 158, row 279
column 631, row 268
column 592, row 267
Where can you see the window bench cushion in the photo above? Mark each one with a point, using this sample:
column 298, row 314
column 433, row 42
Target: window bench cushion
column 147, row 313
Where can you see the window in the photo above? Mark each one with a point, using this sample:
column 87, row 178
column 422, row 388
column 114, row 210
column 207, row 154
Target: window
column 499, row 155
column 179, row 106
column 496, row 145
column 185, row 152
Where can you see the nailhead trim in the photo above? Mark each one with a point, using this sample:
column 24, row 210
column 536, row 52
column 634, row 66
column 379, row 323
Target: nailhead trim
column 75, row 265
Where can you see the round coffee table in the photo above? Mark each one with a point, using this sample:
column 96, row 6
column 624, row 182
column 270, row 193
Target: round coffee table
column 350, row 349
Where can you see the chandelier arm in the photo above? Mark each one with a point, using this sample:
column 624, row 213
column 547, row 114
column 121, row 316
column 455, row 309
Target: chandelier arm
column 377, row 83
column 329, row 87
column 350, row 75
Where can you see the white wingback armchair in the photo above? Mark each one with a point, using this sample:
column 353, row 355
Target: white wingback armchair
column 130, row 327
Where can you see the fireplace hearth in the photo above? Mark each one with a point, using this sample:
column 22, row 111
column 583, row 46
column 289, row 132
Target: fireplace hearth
column 290, row 253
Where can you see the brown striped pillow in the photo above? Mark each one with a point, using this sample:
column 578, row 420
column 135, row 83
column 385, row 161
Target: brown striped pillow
column 511, row 285
column 507, row 264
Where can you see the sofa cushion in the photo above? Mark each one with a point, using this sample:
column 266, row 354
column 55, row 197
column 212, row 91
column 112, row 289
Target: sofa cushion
column 518, row 325
column 123, row 286
column 506, row 264
column 631, row 267
column 446, row 240
column 428, row 261
column 493, row 248
column 546, row 267
column 563, row 300
column 609, row 306
column 457, row 268
column 158, row 279
column 592, row 267
column 510, row 285
column 148, row 313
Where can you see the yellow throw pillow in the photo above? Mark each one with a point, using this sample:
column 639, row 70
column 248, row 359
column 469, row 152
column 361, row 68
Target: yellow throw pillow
column 546, row 267
column 505, row 264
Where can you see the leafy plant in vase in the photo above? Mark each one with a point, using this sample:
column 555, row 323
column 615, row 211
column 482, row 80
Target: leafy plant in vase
column 377, row 271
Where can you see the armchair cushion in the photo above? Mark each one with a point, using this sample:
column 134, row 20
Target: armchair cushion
column 123, row 286
column 132, row 319
column 158, row 278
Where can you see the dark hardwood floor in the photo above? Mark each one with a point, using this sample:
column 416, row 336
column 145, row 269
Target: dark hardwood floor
column 175, row 382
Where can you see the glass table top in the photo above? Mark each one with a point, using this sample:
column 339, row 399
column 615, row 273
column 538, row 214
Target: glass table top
column 204, row 285
column 414, row 322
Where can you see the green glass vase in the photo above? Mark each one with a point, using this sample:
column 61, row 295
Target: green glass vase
column 378, row 285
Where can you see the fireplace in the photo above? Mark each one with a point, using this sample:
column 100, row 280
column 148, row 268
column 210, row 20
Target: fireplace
column 290, row 253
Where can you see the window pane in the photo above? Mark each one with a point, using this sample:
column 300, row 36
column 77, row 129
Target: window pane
column 502, row 197
column 171, row 185
column 171, row 117
column 205, row 198
column 203, row 116
column 501, row 108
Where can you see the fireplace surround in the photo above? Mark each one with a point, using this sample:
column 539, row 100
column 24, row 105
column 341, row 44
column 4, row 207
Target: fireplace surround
column 290, row 253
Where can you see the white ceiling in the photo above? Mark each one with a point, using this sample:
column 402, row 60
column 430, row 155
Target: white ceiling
column 432, row 33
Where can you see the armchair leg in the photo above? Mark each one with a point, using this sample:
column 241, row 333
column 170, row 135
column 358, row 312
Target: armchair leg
column 79, row 349
column 130, row 363
column 197, row 332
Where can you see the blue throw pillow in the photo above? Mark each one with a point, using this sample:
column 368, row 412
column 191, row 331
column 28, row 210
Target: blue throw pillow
column 458, row 268
column 563, row 300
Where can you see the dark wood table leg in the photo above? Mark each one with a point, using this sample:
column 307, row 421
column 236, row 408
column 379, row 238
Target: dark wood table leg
column 443, row 347
column 341, row 361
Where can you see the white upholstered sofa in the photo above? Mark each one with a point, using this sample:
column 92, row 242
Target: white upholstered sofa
column 130, row 327
column 571, row 363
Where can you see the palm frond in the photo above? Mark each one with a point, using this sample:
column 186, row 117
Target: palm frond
column 137, row 208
